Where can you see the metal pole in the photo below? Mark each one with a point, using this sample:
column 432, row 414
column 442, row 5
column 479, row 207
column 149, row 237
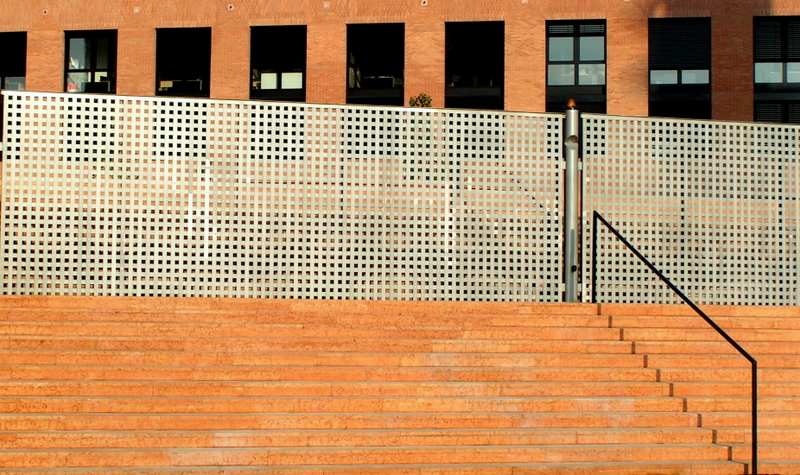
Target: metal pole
column 571, row 153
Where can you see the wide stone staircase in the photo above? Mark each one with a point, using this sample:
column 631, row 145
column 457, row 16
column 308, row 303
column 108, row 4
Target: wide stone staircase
column 138, row 385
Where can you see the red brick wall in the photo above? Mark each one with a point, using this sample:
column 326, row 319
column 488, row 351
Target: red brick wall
column 627, row 71
column 524, row 20
column 136, row 61
column 732, row 63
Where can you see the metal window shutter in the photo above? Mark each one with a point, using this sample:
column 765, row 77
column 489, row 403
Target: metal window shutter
column 680, row 43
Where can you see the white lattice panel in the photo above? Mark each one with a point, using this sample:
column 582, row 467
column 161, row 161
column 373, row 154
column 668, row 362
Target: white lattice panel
column 106, row 195
column 712, row 204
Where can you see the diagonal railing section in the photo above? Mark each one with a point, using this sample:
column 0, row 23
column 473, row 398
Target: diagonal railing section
column 597, row 217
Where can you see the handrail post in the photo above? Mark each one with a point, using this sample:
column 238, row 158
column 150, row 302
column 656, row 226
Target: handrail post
column 594, row 256
column 571, row 154
column 754, row 413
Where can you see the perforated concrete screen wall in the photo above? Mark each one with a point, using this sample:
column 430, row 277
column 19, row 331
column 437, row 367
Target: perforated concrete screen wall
column 711, row 204
column 125, row 196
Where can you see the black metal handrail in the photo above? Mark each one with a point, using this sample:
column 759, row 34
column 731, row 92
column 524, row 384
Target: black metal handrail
column 754, row 365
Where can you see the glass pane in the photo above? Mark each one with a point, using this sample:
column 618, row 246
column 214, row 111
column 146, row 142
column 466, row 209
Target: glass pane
column 592, row 74
column 79, row 53
column 561, row 75
column 269, row 80
column 769, row 73
column 793, row 72
column 76, row 82
column 561, row 49
column 15, row 83
column 664, row 77
column 694, row 76
column 102, row 53
column 592, row 48
column 292, row 81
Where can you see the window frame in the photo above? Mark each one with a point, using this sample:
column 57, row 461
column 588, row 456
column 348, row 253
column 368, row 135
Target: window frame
column 203, row 76
column 261, row 63
column 463, row 51
column 591, row 97
column 576, row 61
column 783, row 94
column 18, row 72
column 680, row 45
column 784, row 58
column 93, row 70
column 370, row 84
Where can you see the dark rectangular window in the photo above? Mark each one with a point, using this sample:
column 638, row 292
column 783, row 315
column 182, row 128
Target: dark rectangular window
column 183, row 62
column 576, row 65
column 474, row 64
column 91, row 61
column 278, row 62
column 375, row 64
column 776, row 69
column 13, row 58
column 680, row 67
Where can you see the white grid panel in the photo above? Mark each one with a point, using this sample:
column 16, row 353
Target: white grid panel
column 712, row 204
column 108, row 195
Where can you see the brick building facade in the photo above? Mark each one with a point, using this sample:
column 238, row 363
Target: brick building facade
column 520, row 37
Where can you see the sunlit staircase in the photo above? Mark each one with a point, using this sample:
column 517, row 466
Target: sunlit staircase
column 118, row 385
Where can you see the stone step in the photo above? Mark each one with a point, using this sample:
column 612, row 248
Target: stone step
column 766, row 375
column 725, row 389
column 302, row 330
column 330, row 317
column 720, row 361
column 682, row 334
column 315, row 344
column 714, row 311
column 320, row 358
column 300, row 307
column 352, row 421
column 208, row 405
column 356, row 438
column 737, row 404
column 719, row 420
column 718, row 347
column 283, row 456
column 727, row 323
column 168, row 389
column 767, row 451
column 577, row 468
column 321, row 373
column 766, row 435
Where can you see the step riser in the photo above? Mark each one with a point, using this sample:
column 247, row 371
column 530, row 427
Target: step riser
column 697, row 322
column 427, row 319
column 109, row 422
column 104, row 358
column 716, row 389
column 315, row 373
column 741, row 335
column 44, row 329
column 337, row 405
column 314, row 344
column 397, row 438
column 283, row 456
column 330, row 389
column 765, row 436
